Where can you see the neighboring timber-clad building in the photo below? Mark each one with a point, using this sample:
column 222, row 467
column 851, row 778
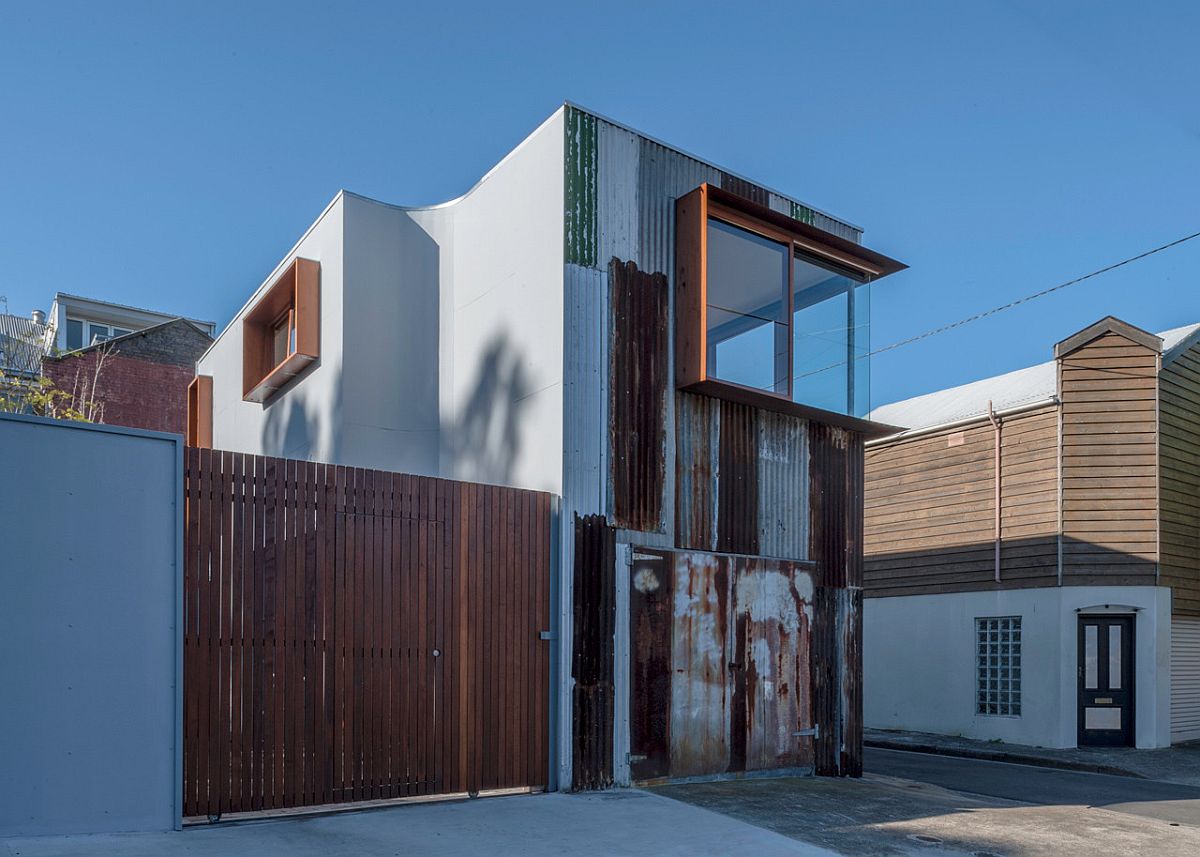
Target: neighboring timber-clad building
column 669, row 348
column 1033, row 549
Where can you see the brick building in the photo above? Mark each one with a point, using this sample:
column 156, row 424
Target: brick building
column 143, row 376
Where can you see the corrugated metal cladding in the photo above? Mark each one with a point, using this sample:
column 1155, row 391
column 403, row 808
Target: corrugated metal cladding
column 638, row 396
column 741, row 479
column 835, row 504
column 721, row 677
column 621, row 190
column 836, row 516
column 592, row 653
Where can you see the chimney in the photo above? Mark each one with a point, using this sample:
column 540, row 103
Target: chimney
column 38, row 316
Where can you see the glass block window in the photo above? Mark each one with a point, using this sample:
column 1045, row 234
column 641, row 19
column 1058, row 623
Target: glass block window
column 998, row 665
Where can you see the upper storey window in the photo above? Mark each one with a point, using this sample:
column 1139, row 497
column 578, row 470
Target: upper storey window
column 769, row 305
column 280, row 333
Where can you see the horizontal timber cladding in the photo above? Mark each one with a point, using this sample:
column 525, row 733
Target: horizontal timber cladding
column 638, row 395
column 721, row 664
column 741, row 479
column 358, row 635
column 592, row 652
column 930, row 508
column 1179, row 486
column 1103, row 459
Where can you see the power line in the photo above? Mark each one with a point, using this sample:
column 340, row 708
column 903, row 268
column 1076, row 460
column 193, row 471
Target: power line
column 1010, row 304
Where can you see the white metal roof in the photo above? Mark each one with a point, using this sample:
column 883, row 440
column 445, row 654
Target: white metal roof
column 1010, row 390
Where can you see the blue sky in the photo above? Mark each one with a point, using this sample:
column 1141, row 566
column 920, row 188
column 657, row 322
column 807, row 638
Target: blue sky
column 167, row 154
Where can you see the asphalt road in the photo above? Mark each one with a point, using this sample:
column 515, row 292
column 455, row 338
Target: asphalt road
column 1042, row 786
column 920, row 805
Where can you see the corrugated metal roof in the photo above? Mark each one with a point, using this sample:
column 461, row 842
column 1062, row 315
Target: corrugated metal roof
column 21, row 344
column 1010, row 390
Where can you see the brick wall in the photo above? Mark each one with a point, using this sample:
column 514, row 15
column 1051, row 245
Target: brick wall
column 136, row 393
column 143, row 382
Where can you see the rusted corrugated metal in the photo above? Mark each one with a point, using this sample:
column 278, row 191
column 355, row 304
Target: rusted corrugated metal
column 721, row 679
column 828, row 505
column 696, row 462
column 772, row 607
column 638, row 396
column 592, row 653
column 741, row 479
column 651, row 608
column 737, row 479
column 700, row 669
column 835, row 499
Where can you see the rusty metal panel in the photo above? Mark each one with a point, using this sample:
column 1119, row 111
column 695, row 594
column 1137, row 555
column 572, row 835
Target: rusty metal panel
column 826, row 689
column 700, row 660
column 651, row 608
column 828, row 502
column 852, row 689
column 782, row 486
column 772, row 607
column 722, row 664
column 638, row 395
column 592, row 653
column 737, row 479
column 696, row 460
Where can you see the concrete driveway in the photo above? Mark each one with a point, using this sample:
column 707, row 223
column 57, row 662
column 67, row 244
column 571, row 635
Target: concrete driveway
column 624, row 822
column 915, row 803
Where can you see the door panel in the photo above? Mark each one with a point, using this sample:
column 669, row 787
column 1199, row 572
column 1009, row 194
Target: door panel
column 721, row 667
column 1106, row 681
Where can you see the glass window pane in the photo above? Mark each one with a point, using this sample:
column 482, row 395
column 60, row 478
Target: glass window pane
column 1102, row 718
column 822, row 337
column 747, row 308
column 97, row 333
column 1114, row 657
column 861, row 341
column 281, row 339
column 1090, row 657
column 120, row 331
column 74, row 334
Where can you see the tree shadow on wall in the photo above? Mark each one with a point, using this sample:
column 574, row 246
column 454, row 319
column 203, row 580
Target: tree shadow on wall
column 301, row 427
column 482, row 442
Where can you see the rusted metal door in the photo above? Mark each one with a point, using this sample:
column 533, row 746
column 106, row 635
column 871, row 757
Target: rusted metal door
column 721, row 665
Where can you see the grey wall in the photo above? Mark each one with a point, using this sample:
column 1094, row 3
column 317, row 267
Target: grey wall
column 89, row 628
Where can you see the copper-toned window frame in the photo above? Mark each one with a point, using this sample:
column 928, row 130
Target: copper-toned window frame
column 692, row 213
column 200, row 412
column 294, row 293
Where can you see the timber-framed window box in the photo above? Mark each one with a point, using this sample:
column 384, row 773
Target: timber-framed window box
column 281, row 333
column 769, row 310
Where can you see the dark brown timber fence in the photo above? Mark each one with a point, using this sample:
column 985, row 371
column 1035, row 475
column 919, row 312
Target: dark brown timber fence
column 359, row 635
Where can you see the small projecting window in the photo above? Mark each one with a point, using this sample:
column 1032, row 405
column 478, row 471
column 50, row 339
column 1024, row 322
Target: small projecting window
column 280, row 334
column 998, row 666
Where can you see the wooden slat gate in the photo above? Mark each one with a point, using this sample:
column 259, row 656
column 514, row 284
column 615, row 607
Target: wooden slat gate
column 359, row 635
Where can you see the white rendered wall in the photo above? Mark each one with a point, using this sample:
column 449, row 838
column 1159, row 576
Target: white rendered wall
column 441, row 335
column 305, row 420
column 919, row 662
column 90, row 628
column 501, row 330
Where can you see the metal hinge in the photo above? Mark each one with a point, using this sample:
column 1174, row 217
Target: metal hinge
column 545, row 635
column 815, row 732
column 635, row 757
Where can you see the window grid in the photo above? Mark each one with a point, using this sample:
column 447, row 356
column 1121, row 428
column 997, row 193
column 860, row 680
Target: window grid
column 998, row 665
